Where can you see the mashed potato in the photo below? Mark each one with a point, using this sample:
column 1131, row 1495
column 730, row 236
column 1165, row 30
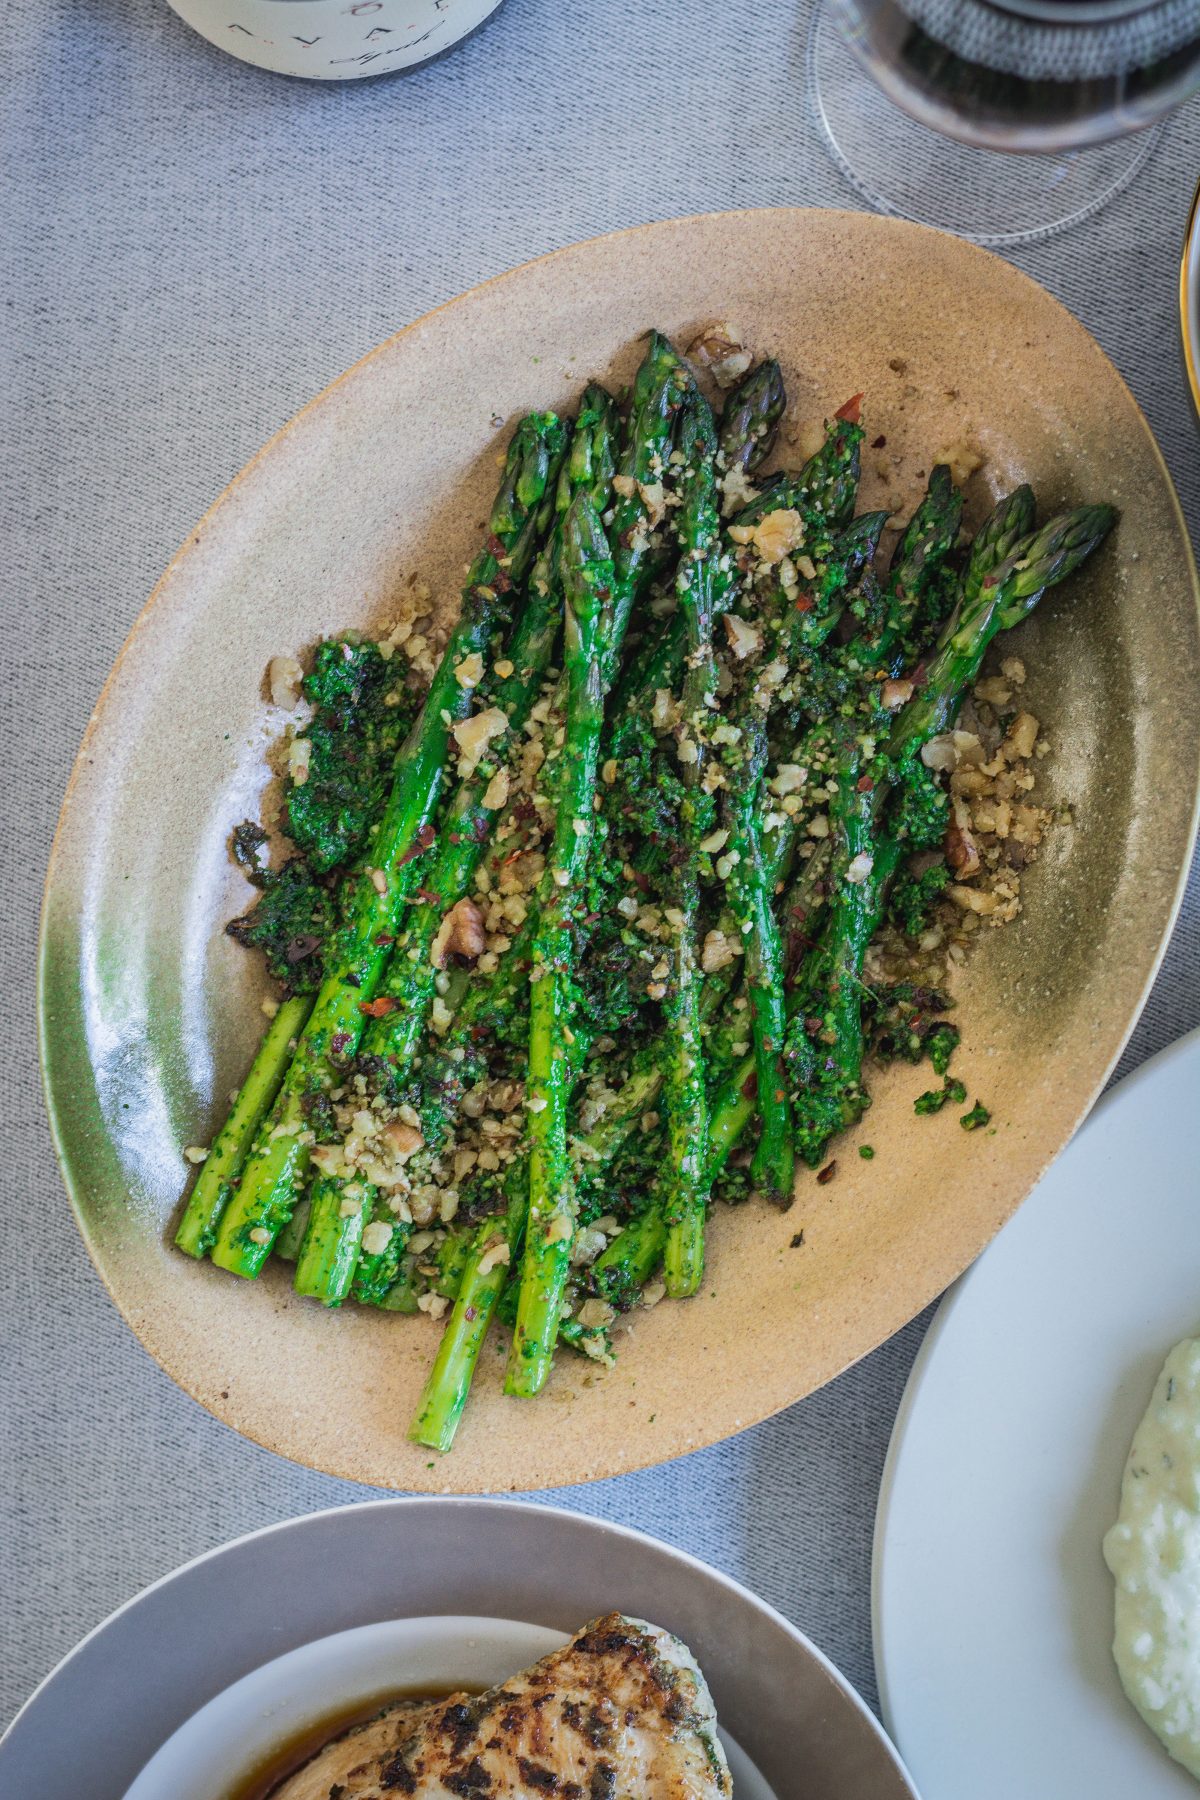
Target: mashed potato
column 1154, row 1553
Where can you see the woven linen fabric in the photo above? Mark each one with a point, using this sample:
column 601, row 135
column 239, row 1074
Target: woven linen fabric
column 192, row 249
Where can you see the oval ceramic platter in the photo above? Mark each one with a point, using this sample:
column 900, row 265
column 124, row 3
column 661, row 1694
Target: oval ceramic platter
column 150, row 1014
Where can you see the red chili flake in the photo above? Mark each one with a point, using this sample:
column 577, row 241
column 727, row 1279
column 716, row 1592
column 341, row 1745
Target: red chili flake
column 382, row 939
column 851, row 411
column 427, row 896
column 879, row 442
column 864, row 784
column 378, row 1009
column 805, row 603
column 501, row 582
column 341, row 1040
column 470, row 1315
column 750, row 1086
column 426, row 836
column 827, row 1173
column 495, row 546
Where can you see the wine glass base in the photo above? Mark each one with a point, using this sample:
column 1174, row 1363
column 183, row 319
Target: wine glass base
column 995, row 197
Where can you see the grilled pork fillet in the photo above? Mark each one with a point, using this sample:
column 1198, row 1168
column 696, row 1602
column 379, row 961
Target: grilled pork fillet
column 622, row 1710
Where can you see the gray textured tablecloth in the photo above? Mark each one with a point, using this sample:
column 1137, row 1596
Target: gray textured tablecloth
column 191, row 250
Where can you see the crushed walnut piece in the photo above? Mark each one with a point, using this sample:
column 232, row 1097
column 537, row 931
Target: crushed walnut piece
column 719, row 350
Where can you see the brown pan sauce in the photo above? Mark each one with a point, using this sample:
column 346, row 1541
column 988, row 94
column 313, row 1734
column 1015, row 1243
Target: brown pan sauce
column 292, row 1752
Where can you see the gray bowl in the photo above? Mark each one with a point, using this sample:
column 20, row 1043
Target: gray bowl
column 116, row 1700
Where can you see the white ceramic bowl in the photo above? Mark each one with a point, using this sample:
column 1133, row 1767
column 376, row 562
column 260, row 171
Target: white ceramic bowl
column 185, row 1689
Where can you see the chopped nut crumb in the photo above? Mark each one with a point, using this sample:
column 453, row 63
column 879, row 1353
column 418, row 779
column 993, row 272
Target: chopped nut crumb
column 460, row 934
column 298, row 754
column 718, row 350
column 284, row 676
column 744, row 639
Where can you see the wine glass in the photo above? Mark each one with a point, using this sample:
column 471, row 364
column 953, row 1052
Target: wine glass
column 916, row 97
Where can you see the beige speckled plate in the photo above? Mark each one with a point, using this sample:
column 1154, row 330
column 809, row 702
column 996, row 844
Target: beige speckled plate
column 149, row 1013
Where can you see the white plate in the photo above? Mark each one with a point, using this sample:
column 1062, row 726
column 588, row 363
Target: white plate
column 189, row 1687
column 992, row 1604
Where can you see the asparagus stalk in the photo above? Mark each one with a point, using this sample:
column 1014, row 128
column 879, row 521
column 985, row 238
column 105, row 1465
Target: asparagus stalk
column 828, row 482
column 1011, row 519
column 659, row 389
column 494, row 1247
column 622, row 1270
column 919, row 559
column 339, row 1212
column 280, row 1156
column 1005, row 595
column 685, row 1095
column 827, row 1007
column 750, row 419
column 751, row 895
column 587, row 579
column 210, row 1195
column 287, row 1244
